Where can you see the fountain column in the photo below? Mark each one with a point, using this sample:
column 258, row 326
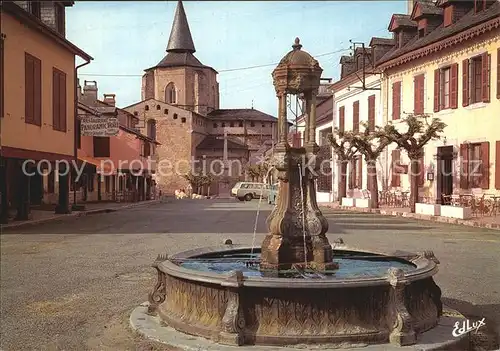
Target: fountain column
column 296, row 225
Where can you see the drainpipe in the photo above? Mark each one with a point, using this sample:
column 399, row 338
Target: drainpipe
column 385, row 119
column 75, row 146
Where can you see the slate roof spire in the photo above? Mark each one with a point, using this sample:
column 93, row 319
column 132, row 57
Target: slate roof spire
column 180, row 35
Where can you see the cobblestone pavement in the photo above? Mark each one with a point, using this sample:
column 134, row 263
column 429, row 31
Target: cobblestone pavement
column 71, row 285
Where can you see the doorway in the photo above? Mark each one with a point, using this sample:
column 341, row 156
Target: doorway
column 36, row 188
column 444, row 175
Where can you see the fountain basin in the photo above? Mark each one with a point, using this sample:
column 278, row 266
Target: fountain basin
column 235, row 308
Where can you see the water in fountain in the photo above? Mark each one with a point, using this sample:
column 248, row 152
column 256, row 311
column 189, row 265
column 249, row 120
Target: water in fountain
column 351, row 265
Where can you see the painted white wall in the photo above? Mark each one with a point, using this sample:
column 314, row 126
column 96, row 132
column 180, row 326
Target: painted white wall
column 346, row 97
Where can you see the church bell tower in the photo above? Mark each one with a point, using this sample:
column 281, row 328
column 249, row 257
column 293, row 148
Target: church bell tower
column 180, row 79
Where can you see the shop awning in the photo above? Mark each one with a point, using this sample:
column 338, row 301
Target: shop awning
column 107, row 168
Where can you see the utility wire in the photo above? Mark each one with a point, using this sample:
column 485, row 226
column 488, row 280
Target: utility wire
column 221, row 71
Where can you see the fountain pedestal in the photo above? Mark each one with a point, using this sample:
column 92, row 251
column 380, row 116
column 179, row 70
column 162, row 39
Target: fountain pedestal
column 297, row 227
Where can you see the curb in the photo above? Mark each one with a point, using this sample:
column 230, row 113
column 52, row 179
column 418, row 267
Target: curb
column 464, row 222
column 77, row 214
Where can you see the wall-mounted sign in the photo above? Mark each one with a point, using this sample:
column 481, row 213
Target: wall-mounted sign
column 99, row 126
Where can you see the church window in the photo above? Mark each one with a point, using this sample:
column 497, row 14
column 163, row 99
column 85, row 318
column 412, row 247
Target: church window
column 263, row 125
column 215, row 125
column 158, row 107
column 171, row 94
column 231, row 124
column 146, row 108
column 165, row 111
column 183, row 119
column 175, row 115
column 136, row 113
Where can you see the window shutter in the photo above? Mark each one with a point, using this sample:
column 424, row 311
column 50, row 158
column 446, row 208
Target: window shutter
column 498, row 73
column 2, row 80
column 341, row 118
column 464, row 169
column 55, row 100
column 146, row 149
column 416, row 95
column 38, row 92
column 371, row 112
column 497, row 165
column 352, row 174
column 485, row 77
column 421, row 171
column 396, row 180
column 360, row 172
column 437, row 74
column 485, row 165
column 418, row 87
column 29, row 89
column 355, row 116
column 368, row 179
column 396, row 100
column 465, row 83
column 454, row 86
column 62, row 102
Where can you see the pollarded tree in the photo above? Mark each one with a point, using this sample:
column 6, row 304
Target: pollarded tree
column 370, row 143
column 418, row 133
column 195, row 180
column 344, row 151
column 206, row 181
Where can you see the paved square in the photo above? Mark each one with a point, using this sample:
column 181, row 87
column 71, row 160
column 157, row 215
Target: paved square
column 72, row 284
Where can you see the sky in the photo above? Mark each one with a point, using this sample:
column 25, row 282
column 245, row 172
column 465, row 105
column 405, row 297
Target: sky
column 126, row 37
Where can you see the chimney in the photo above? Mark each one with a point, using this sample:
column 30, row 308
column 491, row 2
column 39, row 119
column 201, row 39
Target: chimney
column 110, row 99
column 362, row 56
column 454, row 10
column 89, row 92
column 428, row 17
column 380, row 47
column 348, row 66
column 403, row 28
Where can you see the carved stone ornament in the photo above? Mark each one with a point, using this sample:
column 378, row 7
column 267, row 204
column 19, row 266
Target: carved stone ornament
column 233, row 321
column 428, row 254
column 158, row 295
column 402, row 333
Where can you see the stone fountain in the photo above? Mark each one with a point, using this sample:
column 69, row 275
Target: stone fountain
column 297, row 288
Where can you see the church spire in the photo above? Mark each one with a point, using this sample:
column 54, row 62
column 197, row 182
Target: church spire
column 180, row 35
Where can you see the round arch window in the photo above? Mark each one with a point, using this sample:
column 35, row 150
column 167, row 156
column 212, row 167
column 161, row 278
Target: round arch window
column 170, row 94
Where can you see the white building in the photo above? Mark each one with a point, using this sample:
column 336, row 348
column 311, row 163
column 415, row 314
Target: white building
column 357, row 99
column 325, row 116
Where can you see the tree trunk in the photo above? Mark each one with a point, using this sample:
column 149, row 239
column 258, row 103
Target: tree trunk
column 372, row 183
column 413, row 184
column 342, row 180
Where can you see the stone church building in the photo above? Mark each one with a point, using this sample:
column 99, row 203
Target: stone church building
column 180, row 109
